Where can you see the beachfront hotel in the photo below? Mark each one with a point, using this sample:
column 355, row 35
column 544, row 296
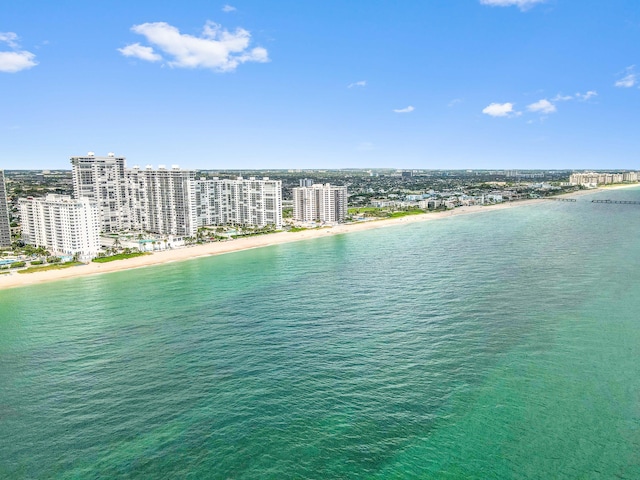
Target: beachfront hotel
column 5, row 226
column 248, row 202
column 61, row 224
column 162, row 201
column 320, row 203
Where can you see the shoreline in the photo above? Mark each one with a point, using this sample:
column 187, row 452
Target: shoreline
column 15, row 279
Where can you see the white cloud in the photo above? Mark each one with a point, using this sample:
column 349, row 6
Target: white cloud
column 405, row 110
column 12, row 62
column 228, row 9
column 216, row 49
column 500, row 110
column 521, row 4
column 454, row 102
column 15, row 60
column 9, row 38
column 586, row 96
column 361, row 83
column 542, row 106
column 629, row 80
column 141, row 52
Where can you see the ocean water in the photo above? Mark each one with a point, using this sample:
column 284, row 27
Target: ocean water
column 504, row 344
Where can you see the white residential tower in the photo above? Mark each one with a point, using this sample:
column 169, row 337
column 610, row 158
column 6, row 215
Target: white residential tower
column 103, row 180
column 5, row 228
column 320, row 203
column 247, row 202
column 162, row 201
column 61, row 224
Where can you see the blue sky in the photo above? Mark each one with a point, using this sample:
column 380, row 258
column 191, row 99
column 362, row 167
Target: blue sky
column 322, row 84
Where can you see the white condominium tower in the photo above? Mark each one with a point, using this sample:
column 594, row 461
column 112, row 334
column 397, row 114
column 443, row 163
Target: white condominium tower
column 595, row 178
column 61, row 224
column 246, row 202
column 320, row 202
column 5, row 228
column 159, row 201
column 103, row 179
column 162, row 201
column 169, row 201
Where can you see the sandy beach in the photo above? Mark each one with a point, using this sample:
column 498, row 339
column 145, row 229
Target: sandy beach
column 15, row 279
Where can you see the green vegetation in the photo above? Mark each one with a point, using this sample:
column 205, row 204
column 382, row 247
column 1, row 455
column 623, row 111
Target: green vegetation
column 384, row 212
column 17, row 264
column 249, row 234
column 404, row 213
column 30, row 250
column 44, row 268
column 119, row 256
column 375, row 212
column 364, row 210
column 253, row 231
column 297, row 229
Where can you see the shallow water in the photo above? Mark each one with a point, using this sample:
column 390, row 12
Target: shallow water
column 496, row 345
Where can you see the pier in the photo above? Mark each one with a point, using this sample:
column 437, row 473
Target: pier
column 560, row 199
column 621, row 202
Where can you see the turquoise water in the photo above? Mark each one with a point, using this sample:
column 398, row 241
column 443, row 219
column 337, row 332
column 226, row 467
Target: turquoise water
column 498, row 345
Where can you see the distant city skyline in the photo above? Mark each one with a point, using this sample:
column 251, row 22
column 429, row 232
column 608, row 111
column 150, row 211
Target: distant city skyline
column 473, row 84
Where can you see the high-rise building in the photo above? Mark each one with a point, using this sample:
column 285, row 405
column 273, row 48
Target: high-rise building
column 595, row 178
column 246, row 202
column 159, row 201
column 103, row 179
column 61, row 224
column 170, row 201
column 162, row 201
column 320, row 203
column 305, row 204
column 5, row 228
column 306, row 182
